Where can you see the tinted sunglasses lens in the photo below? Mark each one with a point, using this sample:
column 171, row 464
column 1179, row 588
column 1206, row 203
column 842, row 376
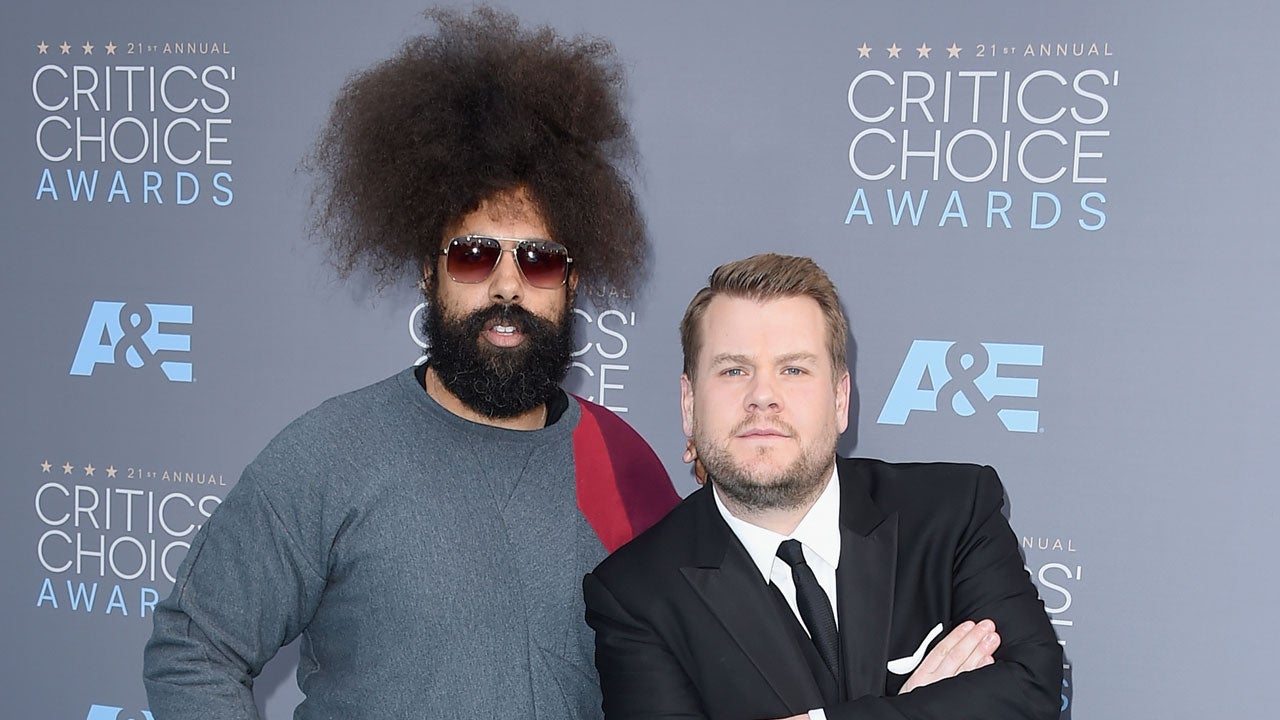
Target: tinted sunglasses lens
column 471, row 259
column 543, row 263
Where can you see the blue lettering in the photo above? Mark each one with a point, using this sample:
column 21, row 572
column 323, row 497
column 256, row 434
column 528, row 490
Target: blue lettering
column 958, row 212
column 993, row 384
column 859, row 198
column 80, row 184
column 147, row 600
column 78, row 595
column 98, row 342
column 1096, row 212
column 147, row 334
column 151, row 186
column 916, row 387
column 117, row 601
column 1036, row 197
column 1002, row 210
column 111, row 712
column 47, row 185
column 118, row 187
column 228, row 196
column 925, row 373
column 158, row 341
column 183, row 177
column 46, row 593
column 895, row 209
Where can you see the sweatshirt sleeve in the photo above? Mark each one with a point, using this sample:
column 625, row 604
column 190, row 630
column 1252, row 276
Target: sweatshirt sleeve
column 247, row 587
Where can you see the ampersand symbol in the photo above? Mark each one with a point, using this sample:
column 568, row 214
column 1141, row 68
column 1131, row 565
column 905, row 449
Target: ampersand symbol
column 135, row 319
column 965, row 365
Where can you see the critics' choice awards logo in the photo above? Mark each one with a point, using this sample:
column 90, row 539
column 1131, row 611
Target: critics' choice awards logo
column 979, row 379
column 987, row 136
column 133, row 124
column 1058, row 574
column 598, row 370
column 136, row 335
column 111, row 712
column 107, row 537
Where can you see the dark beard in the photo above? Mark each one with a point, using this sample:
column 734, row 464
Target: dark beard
column 499, row 382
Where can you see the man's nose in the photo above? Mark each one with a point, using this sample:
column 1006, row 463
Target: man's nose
column 506, row 283
column 762, row 393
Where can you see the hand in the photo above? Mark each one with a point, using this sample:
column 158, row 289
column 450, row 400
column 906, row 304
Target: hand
column 968, row 646
column 691, row 456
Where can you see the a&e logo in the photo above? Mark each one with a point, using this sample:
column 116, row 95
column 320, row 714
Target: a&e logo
column 970, row 379
column 133, row 334
column 110, row 712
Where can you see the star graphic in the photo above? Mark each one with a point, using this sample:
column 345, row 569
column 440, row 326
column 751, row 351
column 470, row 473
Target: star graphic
column 923, row 50
column 864, row 51
column 44, row 466
column 43, row 47
column 65, row 47
column 953, row 51
column 88, row 470
column 894, row 50
column 111, row 48
column 66, row 468
column 111, row 471
column 88, row 48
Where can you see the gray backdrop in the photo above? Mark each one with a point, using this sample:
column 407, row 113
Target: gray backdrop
column 1084, row 297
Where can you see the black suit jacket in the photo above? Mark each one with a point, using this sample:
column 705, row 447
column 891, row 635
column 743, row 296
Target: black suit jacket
column 686, row 627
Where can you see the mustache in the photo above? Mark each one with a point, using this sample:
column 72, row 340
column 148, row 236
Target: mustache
column 763, row 423
column 499, row 314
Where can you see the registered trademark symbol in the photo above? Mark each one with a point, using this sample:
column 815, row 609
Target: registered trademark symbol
column 1040, row 430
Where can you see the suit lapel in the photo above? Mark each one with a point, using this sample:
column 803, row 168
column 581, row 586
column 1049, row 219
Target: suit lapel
column 731, row 586
column 864, row 582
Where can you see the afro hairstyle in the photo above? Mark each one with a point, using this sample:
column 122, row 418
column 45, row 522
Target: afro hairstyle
column 480, row 108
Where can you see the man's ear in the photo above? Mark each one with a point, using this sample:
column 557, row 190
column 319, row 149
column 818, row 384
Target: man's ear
column 842, row 402
column 686, row 404
column 571, row 286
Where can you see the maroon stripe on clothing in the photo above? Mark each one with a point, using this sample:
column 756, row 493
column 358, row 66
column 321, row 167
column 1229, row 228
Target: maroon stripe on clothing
column 622, row 487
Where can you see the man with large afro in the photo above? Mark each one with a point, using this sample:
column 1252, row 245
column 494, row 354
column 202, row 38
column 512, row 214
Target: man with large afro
column 426, row 536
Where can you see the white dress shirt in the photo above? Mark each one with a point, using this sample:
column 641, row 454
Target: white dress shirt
column 819, row 536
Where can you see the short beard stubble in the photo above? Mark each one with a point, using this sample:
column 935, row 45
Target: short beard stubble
column 794, row 486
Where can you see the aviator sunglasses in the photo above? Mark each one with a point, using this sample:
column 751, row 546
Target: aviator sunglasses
column 472, row 259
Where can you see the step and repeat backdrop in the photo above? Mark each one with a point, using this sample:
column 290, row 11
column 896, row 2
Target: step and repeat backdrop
column 1051, row 224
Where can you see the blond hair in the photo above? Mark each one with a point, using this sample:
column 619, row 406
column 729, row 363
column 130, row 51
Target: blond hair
column 766, row 277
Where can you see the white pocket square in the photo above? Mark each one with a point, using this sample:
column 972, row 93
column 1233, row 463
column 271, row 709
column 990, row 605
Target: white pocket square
column 905, row 665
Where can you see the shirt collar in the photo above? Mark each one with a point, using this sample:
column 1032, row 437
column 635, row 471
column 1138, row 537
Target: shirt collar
column 819, row 530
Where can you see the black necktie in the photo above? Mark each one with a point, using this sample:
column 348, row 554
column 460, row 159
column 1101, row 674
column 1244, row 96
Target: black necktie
column 814, row 607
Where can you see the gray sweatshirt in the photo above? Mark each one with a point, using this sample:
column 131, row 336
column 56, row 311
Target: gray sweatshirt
column 432, row 566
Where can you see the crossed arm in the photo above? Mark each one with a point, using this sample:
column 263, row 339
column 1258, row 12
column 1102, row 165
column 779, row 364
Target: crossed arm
column 968, row 646
column 974, row 672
